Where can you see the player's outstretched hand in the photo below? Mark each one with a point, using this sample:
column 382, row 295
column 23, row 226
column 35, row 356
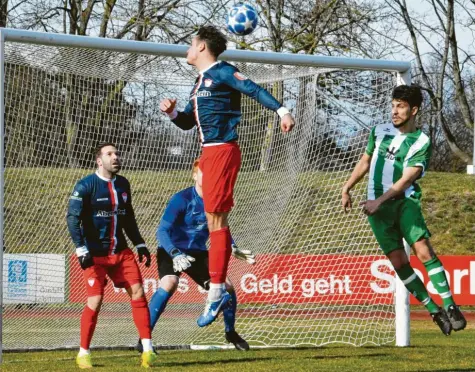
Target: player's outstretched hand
column 346, row 202
column 181, row 261
column 168, row 105
column 244, row 255
column 144, row 252
column 85, row 260
column 287, row 123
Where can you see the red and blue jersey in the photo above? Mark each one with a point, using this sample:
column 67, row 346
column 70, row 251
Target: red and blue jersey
column 99, row 212
column 214, row 106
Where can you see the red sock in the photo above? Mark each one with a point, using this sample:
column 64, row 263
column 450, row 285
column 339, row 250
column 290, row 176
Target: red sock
column 88, row 325
column 141, row 316
column 219, row 254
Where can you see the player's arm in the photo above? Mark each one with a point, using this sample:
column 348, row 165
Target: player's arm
column 132, row 230
column 409, row 176
column 414, row 169
column 182, row 119
column 172, row 215
column 358, row 173
column 74, row 217
column 231, row 76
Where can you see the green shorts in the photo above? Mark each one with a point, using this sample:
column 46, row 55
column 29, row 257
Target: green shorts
column 398, row 219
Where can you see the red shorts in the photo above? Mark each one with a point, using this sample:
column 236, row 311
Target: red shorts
column 220, row 166
column 121, row 268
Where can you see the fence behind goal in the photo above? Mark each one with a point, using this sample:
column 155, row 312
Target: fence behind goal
column 314, row 282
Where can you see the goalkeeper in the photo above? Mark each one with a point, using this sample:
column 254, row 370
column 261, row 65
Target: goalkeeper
column 182, row 236
column 396, row 157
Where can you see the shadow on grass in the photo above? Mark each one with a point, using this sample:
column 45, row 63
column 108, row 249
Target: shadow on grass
column 379, row 355
column 208, row 362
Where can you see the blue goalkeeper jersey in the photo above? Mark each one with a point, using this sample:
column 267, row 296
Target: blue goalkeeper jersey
column 99, row 212
column 183, row 224
column 215, row 103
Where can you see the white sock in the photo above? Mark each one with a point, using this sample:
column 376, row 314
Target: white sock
column 83, row 351
column 147, row 344
column 216, row 291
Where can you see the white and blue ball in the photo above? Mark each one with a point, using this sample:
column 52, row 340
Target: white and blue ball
column 242, row 19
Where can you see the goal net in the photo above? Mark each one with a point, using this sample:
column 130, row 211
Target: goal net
column 319, row 276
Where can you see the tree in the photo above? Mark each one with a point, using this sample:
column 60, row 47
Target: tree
column 446, row 51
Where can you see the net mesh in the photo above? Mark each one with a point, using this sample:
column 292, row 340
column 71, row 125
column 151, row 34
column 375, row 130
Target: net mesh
column 310, row 283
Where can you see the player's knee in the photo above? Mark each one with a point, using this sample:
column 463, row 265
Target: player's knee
column 169, row 283
column 217, row 221
column 398, row 258
column 136, row 291
column 423, row 250
column 94, row 302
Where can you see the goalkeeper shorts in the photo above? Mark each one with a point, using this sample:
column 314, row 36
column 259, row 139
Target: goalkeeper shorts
column 121, row 268
column 396, row 220
column 198, row 271
column 220, row 165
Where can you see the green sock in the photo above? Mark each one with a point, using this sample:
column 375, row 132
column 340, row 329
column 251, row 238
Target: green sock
column 415, row 286
column 439, row 280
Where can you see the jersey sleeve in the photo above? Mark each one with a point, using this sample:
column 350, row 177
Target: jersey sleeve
column 421, row 157
column 185, row 119
column 175, row 209
column 77, row 200
column 371, row 142
column 231, row 76
column 131, row 228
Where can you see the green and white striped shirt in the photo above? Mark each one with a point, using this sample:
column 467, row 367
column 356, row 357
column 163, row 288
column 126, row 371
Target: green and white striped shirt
column 392, row 152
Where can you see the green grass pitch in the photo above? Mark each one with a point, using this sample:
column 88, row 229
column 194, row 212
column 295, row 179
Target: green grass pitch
column 430, row 351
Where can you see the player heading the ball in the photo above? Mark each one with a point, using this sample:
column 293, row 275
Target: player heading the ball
column 214, row 108
column 397, row 155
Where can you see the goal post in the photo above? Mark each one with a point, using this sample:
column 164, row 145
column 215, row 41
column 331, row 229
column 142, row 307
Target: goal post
column 319, row 278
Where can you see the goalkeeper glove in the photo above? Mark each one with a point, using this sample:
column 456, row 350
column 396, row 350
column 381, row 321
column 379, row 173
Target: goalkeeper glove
column 142, row 250
column 243, row 254
column 84, row 257
column 181, row 261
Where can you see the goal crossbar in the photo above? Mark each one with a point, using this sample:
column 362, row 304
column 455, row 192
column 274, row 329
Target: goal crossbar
column 175, row 50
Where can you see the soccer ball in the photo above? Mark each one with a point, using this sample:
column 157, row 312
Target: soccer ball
column 242, row 19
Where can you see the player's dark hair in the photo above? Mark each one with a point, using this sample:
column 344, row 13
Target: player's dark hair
column 100, row 146
column 411, row 94
column 214, row 39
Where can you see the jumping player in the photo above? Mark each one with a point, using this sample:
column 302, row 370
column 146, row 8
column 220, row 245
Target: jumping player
column 397, row 155
column 215, row 109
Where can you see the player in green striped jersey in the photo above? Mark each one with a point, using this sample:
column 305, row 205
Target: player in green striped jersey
column 396, row 156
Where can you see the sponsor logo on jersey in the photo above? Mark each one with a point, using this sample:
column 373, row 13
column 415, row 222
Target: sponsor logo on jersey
column 75, row 196
column 124, row 197
column 208, row 83
column 201, row 93
column 391, row 153
column 102, row 199
column 240, row 76
column 110, row 213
